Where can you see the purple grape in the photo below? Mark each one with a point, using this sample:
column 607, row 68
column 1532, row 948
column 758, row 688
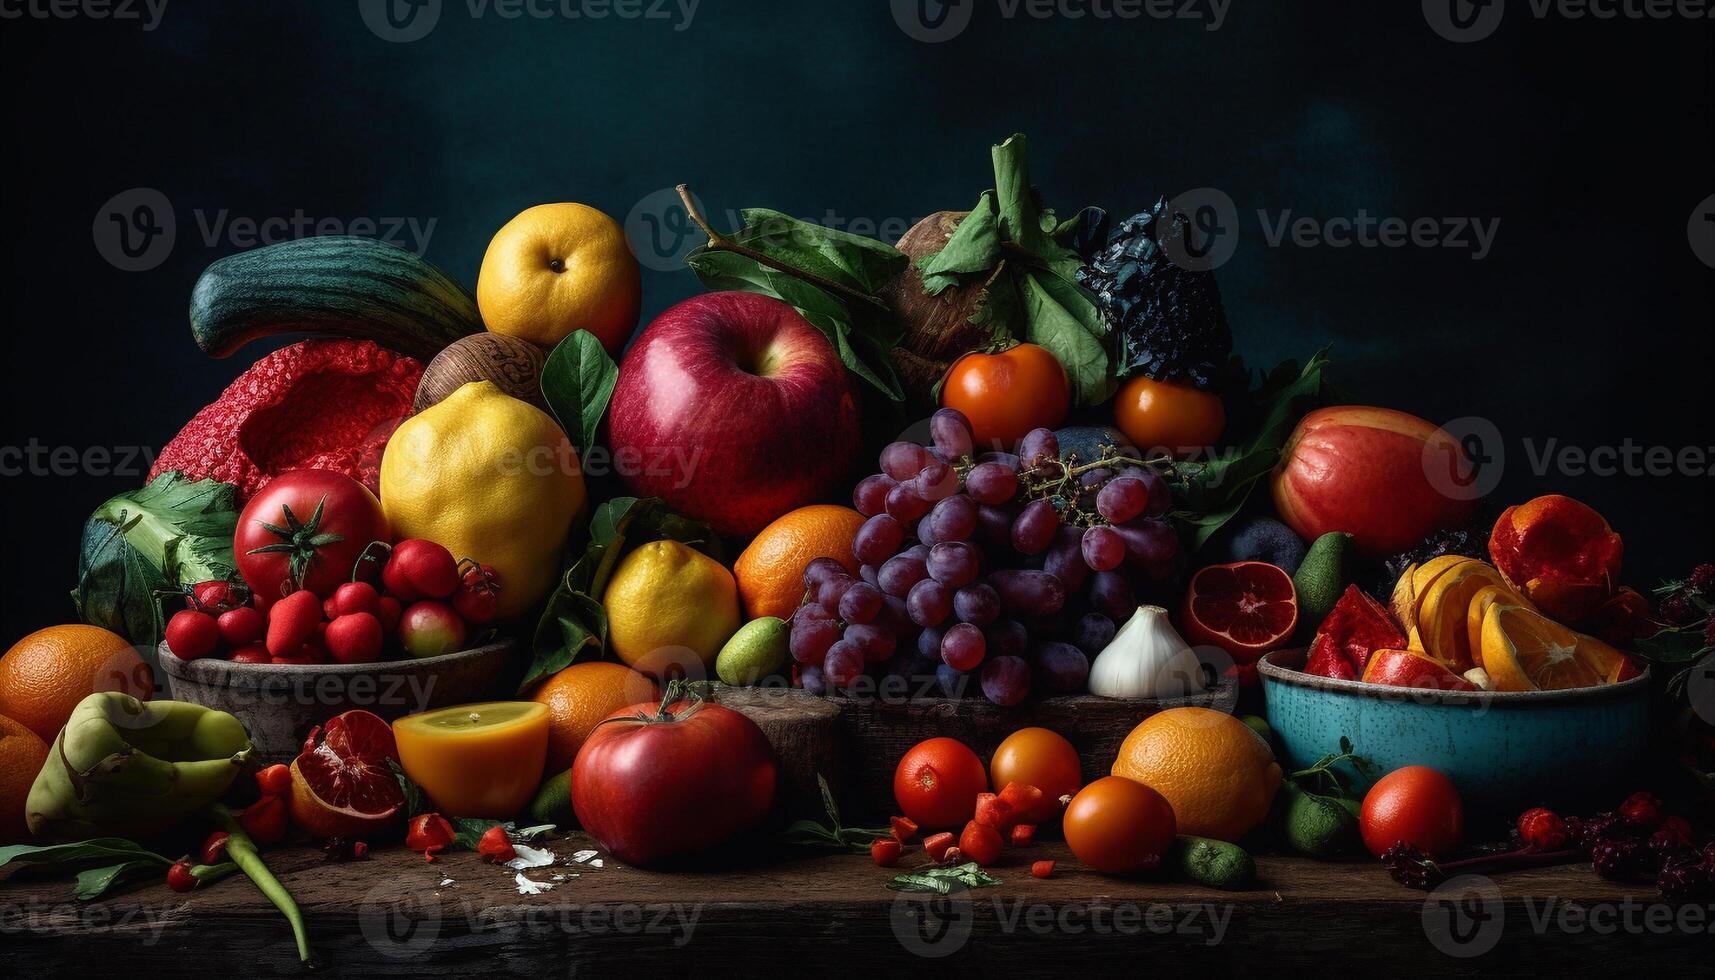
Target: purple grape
column 994, row 527
column 1095, row 477
column 936, row 481
column 1007, row 638
column 977, row 604
column 833, row 587
column 963, row 647
column 951, row 680
column 1006, row 680
column 1148, row 542
column 811, row 638
column 929, row 642
column 1061, row 668
column 953, row 519
column 1102, row 548
column 925, row 535
column 1112, row 596
column 820, row 569
column 954, row 563
column 991, row 483
column 877, row 540
column 843, row 664
column 951, row 433
column 899, row 573
column 876, row 643
column 870, row 495
column 1093, row 633
column 1049, row 627
column 1029, row 591
column 904, row 504
column 895, row 618
column 861, row 603
column 930, row 603
column 1065, row 560
column 1033, row 530
column 1039, row 446
column 1008, row 460
column 811, row 679
column 869, row 573
column 918, row 551
column 1160, row 494
column 902, row 460
column 1122, row 499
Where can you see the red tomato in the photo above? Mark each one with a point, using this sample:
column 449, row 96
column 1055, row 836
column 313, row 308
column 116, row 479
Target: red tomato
column 1117, row 825
column 1040, row 758
column 655, row 783
column 1007, row 394
column 304, row 550
column 937, row 783
column 1417, row 805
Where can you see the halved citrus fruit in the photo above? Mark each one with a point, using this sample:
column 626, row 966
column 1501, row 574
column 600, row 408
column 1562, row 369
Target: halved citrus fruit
column 1441, row 612
column 342, row 785
column 476, row 760
column 1524, row 650
column 1246, row 608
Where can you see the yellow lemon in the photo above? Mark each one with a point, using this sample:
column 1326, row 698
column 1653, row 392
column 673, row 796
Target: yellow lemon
column 665, row 597
column 491, row 478
column 556, row 268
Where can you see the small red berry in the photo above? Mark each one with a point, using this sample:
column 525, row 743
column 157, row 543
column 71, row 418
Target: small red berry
column 192, row 634
column 214, row 848
column 1542, row 829
column 884, row 851
column 1642, row 810
column 904, row 828
column 354, row 597
column 1042, row 869
column 242, row 626
column 179, row 877
column 1702, row 580
column 252, row 653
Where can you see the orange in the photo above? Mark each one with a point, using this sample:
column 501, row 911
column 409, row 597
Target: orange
column 556, row 268
column 1219, row 774
column 580, row 696
column 1524, row 650
column 770, row 572
column 22, row 753
column 1005, row 395
column 45, row 675
column 1166, row 416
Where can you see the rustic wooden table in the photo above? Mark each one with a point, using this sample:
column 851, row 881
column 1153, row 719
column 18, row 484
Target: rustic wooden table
column 394, row 915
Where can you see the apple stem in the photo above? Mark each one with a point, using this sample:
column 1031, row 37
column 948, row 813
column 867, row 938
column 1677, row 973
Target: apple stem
column 720, row 242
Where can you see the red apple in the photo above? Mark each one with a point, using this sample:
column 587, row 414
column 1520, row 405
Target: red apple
column 430, row 628
column 1386, row 477
column 733, row 409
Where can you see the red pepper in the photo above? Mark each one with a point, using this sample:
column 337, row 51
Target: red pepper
column 495, row 845
column 274, row 780
column 429, row 833
column 936, row 845
column 982, row 842
column 1022, row 835
column 266, row 820
column 1042, row 869
column 884, row 851
column 992, row 811
column 179, row 877
column 214, row 849
column 904, row 828
column 1023, row 799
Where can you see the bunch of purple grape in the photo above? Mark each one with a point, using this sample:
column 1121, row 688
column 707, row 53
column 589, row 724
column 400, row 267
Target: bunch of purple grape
column 1012, row 569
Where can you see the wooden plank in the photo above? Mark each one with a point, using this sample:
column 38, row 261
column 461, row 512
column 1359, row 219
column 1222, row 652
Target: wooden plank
column 393, row 916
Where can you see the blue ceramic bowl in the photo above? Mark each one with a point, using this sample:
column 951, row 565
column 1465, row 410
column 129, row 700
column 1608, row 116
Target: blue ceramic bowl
column 1502, row 749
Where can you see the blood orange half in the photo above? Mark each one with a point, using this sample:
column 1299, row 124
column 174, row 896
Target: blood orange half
column 1247, row 609
column 342, row 785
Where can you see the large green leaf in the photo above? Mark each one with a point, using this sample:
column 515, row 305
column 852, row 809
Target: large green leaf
column 1058, row 316
column 577, row 383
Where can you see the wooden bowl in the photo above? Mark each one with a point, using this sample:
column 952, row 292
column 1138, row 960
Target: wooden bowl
column 279, row 704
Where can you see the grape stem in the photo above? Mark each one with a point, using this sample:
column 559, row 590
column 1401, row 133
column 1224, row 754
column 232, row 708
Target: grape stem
column 1037, row 482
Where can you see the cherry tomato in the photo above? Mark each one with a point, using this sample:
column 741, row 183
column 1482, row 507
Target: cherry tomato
column 1165, row 416
column 1415, row 804
column 1007, row 394
column 1117, row 825
column 1041, row 758
column 937, row 783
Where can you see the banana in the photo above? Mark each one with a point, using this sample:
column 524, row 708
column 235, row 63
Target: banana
column 123, row 767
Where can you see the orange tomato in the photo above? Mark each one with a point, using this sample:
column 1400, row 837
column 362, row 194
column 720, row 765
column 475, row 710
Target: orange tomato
column 1040, row 758
column 1007, row 394
column 1118, row 825
column 1165, row 416
column 937, row 782
column 1417, row 805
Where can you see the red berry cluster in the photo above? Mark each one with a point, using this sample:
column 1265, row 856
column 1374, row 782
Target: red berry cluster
column 1639, row 840
column 426, row 605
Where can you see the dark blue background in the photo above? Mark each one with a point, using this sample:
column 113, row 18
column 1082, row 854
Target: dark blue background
column 1590, row 141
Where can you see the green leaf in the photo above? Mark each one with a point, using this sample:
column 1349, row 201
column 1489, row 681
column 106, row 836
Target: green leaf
column 577, row 383
column 853, row 260
column 973, row 247
column 1673, row 646
column 1058, row 316
column 95, row 882
column 942, row 880
column 80, row 852
column 416, row 801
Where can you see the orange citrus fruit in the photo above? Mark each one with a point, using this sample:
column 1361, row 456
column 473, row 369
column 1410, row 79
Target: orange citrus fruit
column 45, row 675
column 770, row 572
column 556, row 268
column 1524, row 650
column 579, row 697
column 1166, row 416
column 1219, row 775
column 22, row 753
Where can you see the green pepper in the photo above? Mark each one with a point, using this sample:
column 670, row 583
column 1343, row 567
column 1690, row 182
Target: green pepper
column 127, row 768
column 242, row 850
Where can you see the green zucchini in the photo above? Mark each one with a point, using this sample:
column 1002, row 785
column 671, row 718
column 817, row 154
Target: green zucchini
column 1212, row 863
column 335, row 286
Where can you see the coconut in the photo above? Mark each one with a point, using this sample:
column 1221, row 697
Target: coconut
column 938, row 329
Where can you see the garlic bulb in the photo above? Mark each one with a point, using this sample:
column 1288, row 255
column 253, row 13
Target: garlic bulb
column 1147, row 659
